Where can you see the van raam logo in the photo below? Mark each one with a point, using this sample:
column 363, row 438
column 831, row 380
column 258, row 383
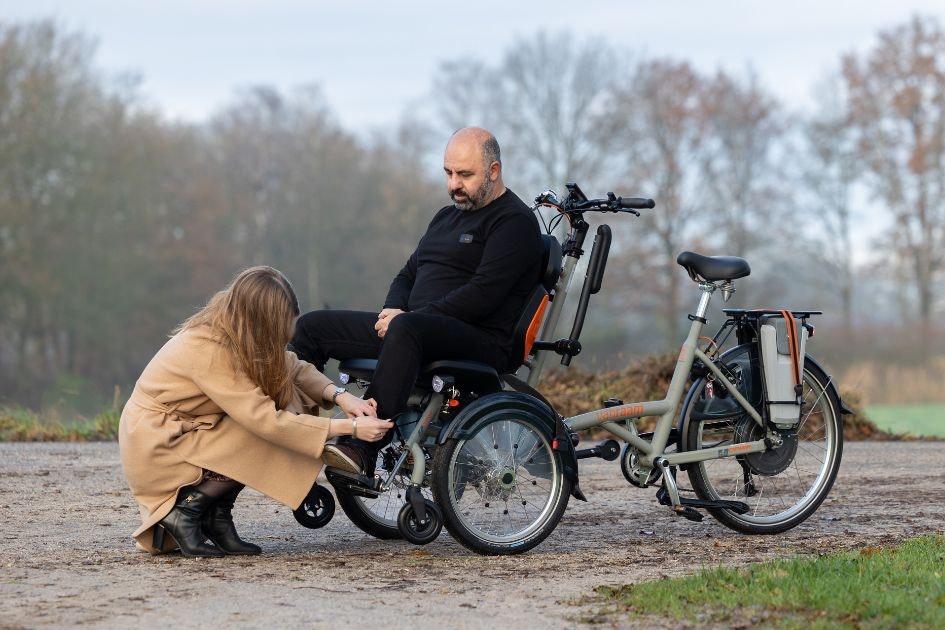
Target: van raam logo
column 623, row 411
column 723, row 452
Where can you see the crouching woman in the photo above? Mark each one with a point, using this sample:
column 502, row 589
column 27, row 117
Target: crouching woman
column 221, row 406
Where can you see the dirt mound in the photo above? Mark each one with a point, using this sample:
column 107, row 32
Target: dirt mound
column 573, row 391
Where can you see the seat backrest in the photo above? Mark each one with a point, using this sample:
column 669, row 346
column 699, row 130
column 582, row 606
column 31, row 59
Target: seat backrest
column 529, row 322
column 550, row 262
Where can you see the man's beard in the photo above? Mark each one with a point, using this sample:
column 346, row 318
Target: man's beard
column 475, row 200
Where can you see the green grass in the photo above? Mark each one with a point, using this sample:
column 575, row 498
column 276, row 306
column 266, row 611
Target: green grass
column 22, row 425
column 920, row 420
column 893, row 587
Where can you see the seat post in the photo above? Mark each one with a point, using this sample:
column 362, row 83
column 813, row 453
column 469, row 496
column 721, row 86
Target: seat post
column 707, row 289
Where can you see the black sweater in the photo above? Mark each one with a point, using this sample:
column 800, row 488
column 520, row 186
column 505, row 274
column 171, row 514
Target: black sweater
column 477, row 266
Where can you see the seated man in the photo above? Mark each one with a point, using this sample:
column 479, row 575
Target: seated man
column 458, row 296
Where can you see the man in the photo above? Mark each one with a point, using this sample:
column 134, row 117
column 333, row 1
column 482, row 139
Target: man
column 458, row 296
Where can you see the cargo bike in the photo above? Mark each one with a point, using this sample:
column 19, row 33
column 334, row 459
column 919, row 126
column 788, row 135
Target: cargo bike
column 751, row 418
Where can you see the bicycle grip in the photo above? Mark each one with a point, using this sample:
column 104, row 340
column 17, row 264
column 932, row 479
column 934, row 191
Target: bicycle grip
column 637, row 203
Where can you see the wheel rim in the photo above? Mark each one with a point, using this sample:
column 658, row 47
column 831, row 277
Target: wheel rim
column 503, row 481
column 385, row 508
column 777, row 498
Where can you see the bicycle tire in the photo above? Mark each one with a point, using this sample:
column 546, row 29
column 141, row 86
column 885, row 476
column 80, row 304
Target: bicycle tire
column 483, row 475
column 804, row 483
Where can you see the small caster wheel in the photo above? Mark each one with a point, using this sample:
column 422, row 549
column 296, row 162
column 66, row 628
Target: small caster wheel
column 317, row 508
column 420, row 532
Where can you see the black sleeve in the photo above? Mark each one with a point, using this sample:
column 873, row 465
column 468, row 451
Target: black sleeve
column 399, row 293
column 511, row 246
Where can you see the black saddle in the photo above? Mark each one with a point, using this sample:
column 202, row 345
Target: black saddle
column 713, row 268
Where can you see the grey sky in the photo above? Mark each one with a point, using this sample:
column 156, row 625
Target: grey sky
column 373, row 60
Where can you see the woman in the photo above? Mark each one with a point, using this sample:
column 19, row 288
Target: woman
column 220, row 406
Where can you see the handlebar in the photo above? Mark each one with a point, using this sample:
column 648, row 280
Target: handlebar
column 575, row 202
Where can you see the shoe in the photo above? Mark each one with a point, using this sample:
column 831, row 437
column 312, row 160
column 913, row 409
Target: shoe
column 217, row 525
column 183, row 524
column 345, row 456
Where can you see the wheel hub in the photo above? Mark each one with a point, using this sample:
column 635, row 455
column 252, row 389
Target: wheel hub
column 772, row 461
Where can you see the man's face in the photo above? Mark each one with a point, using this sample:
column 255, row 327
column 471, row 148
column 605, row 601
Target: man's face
column 468, row 181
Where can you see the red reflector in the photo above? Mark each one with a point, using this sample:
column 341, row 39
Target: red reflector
column 554, row 444
column 453, row 402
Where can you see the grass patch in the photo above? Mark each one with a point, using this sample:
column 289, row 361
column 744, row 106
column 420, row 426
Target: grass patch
column 22, row 425
column 876, row 587
column 920, row 420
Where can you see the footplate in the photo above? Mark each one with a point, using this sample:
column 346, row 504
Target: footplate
column 735, row 506
column 353, row 483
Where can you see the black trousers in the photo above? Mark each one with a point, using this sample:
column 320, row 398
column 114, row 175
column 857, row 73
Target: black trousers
column 412, row 340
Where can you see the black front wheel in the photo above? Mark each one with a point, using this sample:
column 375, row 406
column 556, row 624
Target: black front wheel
column 420, row 530
column 317, row 509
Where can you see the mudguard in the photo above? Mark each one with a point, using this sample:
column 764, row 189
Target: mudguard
column 746, row 357
column 481, row 411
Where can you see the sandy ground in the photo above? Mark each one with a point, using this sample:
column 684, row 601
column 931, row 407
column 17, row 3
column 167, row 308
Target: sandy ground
column 66, row 557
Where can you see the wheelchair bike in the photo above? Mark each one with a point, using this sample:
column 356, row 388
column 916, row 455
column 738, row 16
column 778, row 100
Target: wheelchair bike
column 488, row 457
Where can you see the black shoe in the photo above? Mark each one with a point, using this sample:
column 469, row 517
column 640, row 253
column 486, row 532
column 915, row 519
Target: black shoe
column 183, row 524
column 348, row 457
column 217, row 525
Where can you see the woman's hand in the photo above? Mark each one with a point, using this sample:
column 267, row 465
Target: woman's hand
column 355, row 407
column 372, row 429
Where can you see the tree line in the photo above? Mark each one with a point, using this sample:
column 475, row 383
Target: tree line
column 116, row 223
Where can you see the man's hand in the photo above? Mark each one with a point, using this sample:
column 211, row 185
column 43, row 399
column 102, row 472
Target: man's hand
column 384, row 319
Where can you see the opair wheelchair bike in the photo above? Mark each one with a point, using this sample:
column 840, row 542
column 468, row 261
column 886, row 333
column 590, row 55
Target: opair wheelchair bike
column 759, row 430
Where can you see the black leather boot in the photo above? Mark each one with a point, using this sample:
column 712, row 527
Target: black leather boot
column 183, row 523
column 218, row 526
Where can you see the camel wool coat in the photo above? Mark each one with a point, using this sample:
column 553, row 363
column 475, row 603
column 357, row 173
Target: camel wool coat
column 192, row 410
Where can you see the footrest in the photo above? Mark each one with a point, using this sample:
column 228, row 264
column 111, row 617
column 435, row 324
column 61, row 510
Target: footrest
column 360, row 485
column 735, row 506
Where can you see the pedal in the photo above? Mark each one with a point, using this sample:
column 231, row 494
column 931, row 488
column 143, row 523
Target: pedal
column 608, row 451
column 360, row 485
column 687, row 512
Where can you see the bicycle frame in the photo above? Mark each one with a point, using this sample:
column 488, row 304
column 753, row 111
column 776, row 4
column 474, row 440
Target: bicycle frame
column 668, row 407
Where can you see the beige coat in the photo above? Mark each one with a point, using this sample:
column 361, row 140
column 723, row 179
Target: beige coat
column 191, row 410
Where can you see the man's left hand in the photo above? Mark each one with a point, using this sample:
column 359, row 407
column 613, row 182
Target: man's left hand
column 384, row 319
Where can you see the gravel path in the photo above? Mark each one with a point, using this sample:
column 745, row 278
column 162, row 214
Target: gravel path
column 66, row 557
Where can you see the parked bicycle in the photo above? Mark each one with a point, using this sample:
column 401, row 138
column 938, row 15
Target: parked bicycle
column 754, row 421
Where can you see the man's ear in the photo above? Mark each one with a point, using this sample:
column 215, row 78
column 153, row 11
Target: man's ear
column 494, row 170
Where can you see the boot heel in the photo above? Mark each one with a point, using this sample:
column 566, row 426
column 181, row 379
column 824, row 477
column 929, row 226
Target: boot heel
column 158, row 542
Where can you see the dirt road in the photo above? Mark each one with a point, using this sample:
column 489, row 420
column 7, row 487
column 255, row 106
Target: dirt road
column 66, row 557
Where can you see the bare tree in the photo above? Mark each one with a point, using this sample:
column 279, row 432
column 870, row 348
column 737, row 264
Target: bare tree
column 743, row 126
column 545, row 101
column 663, row 135
column 896, row 105
column 830, row 171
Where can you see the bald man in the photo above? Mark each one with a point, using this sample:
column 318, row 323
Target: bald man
column 458, row 296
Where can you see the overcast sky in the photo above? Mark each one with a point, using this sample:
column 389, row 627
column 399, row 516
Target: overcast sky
column 374, row 60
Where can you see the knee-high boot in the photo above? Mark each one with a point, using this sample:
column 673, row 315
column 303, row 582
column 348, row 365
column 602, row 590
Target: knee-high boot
column 218, row 526
column 184, row 524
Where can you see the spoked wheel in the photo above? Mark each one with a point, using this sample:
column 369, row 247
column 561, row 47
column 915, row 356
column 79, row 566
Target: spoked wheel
column 782, row 486
column 377, row 516
column 317, row 508
column 501, row 487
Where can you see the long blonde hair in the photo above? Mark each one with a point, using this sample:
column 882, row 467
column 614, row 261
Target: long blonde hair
column 254, row 317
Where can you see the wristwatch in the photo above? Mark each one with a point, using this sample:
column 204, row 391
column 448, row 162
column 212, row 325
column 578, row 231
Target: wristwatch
column 338, row 392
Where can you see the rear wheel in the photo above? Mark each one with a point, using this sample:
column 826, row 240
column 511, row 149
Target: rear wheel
column 501, row 486
column 377, row 516
column 782, row 486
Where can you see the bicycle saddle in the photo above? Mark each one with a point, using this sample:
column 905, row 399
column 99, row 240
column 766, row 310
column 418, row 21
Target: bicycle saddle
column 713, row 268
